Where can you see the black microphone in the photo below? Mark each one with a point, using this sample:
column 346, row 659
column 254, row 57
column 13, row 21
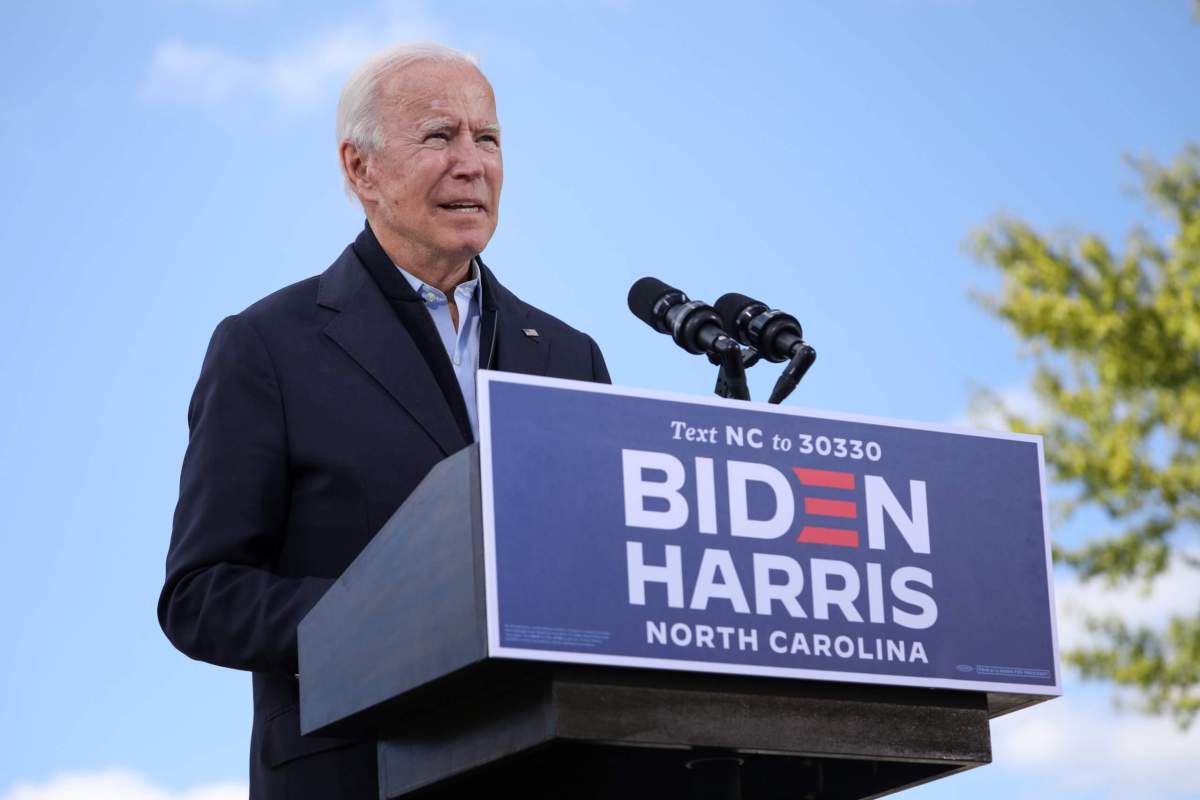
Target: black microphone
column 694, row 325
column 774, row 334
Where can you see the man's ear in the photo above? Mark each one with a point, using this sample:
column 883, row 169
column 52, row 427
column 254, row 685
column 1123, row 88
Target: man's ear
column 354, row 168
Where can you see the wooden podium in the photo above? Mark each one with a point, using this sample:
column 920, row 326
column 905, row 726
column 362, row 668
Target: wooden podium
column 398, row 650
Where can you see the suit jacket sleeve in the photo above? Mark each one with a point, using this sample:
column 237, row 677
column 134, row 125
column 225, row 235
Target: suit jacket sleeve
column 221, row 601
column 599, row 368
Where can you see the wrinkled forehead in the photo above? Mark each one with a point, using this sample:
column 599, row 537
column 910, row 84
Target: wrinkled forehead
column 433, row 87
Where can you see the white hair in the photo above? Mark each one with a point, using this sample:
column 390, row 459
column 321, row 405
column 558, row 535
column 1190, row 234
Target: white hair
column 357, row 119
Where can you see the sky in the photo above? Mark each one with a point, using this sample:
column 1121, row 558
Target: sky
column 168, row 162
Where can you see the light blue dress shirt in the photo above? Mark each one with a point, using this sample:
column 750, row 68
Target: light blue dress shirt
column 462, row 345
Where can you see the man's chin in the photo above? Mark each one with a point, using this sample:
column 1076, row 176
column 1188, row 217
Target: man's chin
column 467, row 247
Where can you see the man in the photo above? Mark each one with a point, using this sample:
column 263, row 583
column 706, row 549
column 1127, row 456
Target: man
column 321, row 407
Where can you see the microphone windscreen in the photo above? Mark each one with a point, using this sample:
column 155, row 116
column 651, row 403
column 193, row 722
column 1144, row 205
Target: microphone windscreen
column 644, row 293
column 729, row 306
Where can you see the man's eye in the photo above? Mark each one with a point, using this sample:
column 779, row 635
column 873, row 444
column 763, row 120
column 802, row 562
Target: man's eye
column 442, row 136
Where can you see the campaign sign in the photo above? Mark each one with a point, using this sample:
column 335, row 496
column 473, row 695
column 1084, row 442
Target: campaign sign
column 645, row 529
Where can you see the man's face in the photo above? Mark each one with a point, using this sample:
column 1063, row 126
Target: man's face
column 436, row 180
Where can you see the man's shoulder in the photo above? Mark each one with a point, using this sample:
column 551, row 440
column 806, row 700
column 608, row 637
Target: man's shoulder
column 551, row 325
column 543, row 322
column 293, row 301
column 300, row 302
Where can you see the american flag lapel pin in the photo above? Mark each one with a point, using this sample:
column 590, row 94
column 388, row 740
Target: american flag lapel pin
column 530, row 332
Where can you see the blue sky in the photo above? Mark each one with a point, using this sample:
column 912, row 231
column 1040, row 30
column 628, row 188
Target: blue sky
column 167, row 163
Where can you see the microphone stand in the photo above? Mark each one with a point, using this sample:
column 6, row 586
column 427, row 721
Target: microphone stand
column 731, row 379
column 734, row 361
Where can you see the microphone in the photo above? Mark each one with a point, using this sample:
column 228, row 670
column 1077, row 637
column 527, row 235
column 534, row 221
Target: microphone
column 774, row 334
column 695, row 326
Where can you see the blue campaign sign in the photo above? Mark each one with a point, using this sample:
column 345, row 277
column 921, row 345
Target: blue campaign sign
column 644, row 529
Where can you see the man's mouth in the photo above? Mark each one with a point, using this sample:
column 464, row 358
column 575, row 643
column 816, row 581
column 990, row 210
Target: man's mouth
column 462, row 207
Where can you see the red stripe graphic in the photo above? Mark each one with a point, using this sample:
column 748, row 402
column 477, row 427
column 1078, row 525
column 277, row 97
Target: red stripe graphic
column 831, row 508
column 834, row 536
column 824, row 477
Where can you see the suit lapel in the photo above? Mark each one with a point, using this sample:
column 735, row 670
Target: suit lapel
column 369, row 331
column 505, row 331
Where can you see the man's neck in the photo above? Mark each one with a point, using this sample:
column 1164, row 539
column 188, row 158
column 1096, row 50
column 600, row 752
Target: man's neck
column 433, row 269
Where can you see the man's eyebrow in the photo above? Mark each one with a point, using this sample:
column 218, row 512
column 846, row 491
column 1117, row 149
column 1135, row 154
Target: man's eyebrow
column 446, row 123
column 436, row 124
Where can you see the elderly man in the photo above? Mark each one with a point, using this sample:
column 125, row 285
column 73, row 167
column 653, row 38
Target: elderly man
column 321, row 407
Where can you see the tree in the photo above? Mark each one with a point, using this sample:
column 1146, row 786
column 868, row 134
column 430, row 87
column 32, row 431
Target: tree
column 1115, row 338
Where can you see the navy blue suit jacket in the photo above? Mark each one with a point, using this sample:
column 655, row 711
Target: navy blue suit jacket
column 315, row 415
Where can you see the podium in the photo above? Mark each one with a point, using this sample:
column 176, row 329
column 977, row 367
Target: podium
column 491, row 638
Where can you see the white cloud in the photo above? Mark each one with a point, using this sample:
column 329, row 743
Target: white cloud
column 1073, row 745
column 118, row 784
column 1176, row 591
column 186, row 72
column 1079, row 745
column 294, row 77
column 1018, row 399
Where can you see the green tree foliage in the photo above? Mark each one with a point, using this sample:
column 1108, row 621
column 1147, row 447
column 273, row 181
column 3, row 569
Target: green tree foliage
column 1115, row 336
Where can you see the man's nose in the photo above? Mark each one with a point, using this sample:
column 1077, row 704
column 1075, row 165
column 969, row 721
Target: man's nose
column 468, row 161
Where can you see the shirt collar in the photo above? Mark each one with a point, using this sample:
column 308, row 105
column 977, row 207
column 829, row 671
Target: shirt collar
column 470, row 287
